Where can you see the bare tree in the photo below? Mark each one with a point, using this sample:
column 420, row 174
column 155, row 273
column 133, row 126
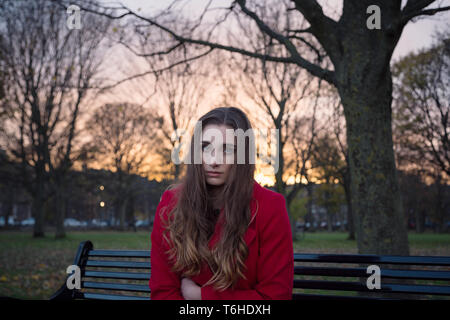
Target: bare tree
column 422, row 108
column 421, row 122
column 180, row 91
column 331, row 152
column 176, row 91
column 329, row 162
column 344, row 177
column 121, row 141
column 49, row 70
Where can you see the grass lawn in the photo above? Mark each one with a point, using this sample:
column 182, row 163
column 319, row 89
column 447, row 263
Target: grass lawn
column 35, row 268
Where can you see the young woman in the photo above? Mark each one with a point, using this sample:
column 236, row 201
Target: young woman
column 219, row 234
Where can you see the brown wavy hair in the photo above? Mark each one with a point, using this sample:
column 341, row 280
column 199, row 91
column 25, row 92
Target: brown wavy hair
column 191, row 222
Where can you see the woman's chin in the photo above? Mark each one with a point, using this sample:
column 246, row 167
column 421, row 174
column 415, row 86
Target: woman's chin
column 214, row 181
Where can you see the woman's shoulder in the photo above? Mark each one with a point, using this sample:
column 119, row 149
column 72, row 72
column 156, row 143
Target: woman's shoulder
column 265, row 194
column 271, row 206
column 167, row 201
column 170, row 192
column 269, row 202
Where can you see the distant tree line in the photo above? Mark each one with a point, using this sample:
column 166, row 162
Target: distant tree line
column 91, row 194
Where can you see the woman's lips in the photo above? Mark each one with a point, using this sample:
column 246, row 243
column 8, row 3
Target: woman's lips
column 213, row 174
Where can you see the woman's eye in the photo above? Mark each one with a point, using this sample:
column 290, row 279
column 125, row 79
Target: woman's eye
column 207, row 147
column 229, row 150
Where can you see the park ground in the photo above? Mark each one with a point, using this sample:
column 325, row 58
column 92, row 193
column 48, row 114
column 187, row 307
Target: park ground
column 35, row 268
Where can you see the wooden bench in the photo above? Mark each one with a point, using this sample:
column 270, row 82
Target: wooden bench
column 124, row 275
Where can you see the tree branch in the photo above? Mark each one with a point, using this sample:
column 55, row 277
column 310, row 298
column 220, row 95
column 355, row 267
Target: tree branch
column 416, row 5
column 321, row 26
column 407, row 16
column 315, row 70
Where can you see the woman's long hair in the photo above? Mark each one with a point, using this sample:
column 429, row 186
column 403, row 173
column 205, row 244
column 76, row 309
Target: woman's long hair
column 192, row 221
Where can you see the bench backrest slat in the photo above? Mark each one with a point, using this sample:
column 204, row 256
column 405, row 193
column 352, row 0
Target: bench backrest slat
column 120, row 253
column 116, row 286
column 103, row 296
column 118, row 264
column 362, row 272
column 308, row 296
column 361, row 287
column 117, row 275
column 372, row 259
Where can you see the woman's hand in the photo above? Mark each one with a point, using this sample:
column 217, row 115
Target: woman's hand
column 190, row 290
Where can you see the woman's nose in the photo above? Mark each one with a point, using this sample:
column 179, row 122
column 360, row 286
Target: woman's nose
column 214, row 158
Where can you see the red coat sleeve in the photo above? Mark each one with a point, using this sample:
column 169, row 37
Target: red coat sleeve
column 164, row 284
column 275, row 264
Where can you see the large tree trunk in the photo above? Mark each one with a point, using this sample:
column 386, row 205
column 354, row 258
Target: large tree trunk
column 375, row 194
column 364, row 82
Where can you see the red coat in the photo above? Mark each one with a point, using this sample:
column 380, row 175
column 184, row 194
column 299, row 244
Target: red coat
column 270, row 263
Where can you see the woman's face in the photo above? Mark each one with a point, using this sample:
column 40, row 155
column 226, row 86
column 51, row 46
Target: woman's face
column 218, row 151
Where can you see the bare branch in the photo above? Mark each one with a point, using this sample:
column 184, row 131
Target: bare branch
column 407, row 16
column 416, row 5
column 156, row 71
column 322, row 27
column 315, row 70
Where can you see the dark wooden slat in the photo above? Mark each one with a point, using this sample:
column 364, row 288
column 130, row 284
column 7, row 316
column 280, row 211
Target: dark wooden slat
column 117, row 275
column 361, row 272
column 118, row 264
column 372, row 259
column 120, row 253
column 115, row 286
column 103, row 296
column 333, row 272
column 357, row 286
column 309, row 257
